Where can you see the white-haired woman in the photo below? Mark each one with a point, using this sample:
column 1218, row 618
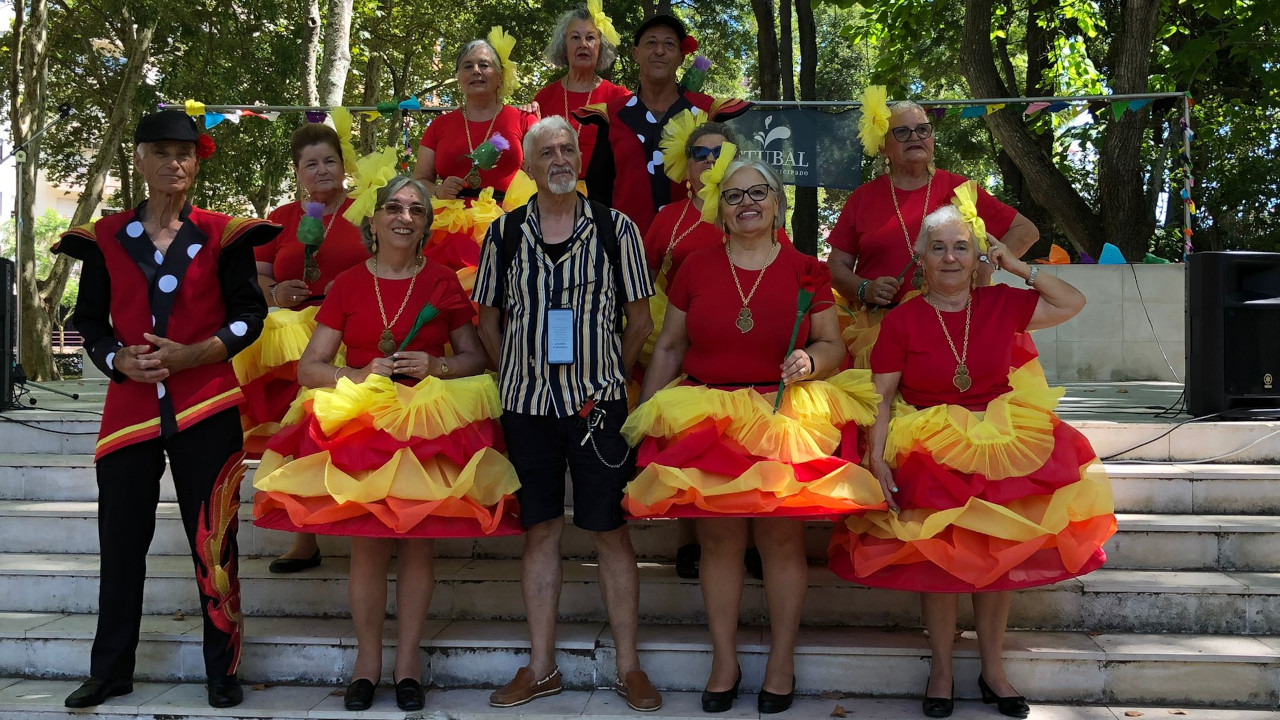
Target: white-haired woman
column 397, row 443
column 713, row 447
column 583, row 49
column 988, row 491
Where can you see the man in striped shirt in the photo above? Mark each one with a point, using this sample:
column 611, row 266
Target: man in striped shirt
column 563, row 291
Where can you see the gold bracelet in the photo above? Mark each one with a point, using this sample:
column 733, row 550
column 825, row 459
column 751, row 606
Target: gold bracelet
column 337, row 371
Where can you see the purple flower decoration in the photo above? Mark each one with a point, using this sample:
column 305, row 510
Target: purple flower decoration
column 499, row 142
column 313, row 210
column 315, row 116
column 701, row 63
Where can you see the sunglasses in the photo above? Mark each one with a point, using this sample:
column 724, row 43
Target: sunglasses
column 903, row 133
column 734, row 196
column 416, row 211
column 699, row 153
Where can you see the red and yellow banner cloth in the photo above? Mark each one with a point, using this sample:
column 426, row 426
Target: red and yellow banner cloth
column 1002, row 499
column 381, row 459
column 707, row 452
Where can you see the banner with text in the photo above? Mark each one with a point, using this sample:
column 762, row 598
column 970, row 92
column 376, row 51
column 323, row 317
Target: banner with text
column 806, row 146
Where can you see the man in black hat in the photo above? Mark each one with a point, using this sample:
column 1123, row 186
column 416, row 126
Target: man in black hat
column 626, row 170
column 168, row 294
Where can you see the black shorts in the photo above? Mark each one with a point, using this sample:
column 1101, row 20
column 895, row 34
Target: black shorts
column 541, row 448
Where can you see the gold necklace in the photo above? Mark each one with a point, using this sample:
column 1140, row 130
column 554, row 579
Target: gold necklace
column 744, row 321
column 961, row 380
column 577, row 126
column 917, row 278
column 311, row 266
column 473, row 177
column 387, row 342
column 671, row 246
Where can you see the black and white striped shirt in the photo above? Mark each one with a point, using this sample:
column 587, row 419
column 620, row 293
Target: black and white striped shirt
column 582, row 280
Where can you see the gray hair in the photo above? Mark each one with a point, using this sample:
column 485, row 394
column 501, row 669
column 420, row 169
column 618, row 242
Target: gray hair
column 385, row 193
column 944, row 216
column 466, row 50
column 557, row 50
column 898, row 106
column 771, row 179
column 711, row 128
column 544, row 127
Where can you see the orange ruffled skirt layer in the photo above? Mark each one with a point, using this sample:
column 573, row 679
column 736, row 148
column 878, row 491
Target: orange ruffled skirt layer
column 1007, row 498
column 380, row 459
column 458, row 227
column 706, row 452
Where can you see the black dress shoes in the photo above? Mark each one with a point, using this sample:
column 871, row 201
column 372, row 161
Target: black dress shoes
column 225, row 692
column 409, row 695
column 687, row 559
column 936, row 707
column 284, row 566
column 768, row 703
column 95, row 692
column 721, row 701
column 1014, row 706
column 359, row 695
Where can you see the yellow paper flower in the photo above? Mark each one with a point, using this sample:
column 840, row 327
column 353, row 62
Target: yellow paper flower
column 966, row 201
column 502, row 43
column 711, row 180
column 874, row 123
column 373, row 171
column 194, row 108
column 603, row 23
column 450, row 216
column 675, row 136
column 522, row 188
column 484, row 210
column 342, row 122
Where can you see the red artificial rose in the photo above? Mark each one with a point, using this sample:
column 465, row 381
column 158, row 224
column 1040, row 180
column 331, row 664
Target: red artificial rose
column 814, row 275
column 689, row 45
column 205, row 146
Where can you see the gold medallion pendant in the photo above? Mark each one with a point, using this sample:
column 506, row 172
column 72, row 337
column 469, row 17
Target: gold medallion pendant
column 961, row 379
column 473, row 178
column 311, row 272
column 744, row 321
column 386, row 343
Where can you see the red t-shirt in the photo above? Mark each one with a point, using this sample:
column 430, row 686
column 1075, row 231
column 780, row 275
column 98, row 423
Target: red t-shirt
column 718, row 352
column 868, row 228
column 351, row 308
column 447, row 136
column 912, row 342
column 672, row 222
column 340, row 250
column 555, row 100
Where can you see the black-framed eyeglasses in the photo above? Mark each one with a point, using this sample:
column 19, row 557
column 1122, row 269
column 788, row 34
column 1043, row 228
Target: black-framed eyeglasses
column 699, row 153
column 734, row 196
column 902, row 133
column 416, row 211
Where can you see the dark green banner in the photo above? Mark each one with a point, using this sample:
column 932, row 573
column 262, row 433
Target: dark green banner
column 806, row 146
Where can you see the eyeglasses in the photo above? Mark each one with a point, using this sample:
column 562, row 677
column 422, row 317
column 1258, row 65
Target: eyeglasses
column 903, row 133
column 699, row 153
column 734, row 196
column 417, row 212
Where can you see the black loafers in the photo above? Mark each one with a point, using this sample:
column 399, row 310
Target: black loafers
column 722, row 700
column 359, row 695
column 768, row 703
column 1014, row 706
column 409, row 695
column 95, row 692
column 284, row 566
column 224, row 692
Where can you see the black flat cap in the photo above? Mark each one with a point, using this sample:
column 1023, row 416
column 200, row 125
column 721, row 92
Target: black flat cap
column 166, row 125
column 660, row 19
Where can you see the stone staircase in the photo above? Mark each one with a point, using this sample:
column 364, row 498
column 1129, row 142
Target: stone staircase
column 1186, row 612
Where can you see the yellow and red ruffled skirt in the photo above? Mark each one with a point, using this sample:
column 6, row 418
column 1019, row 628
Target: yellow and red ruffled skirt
column 380, row 459
column 458, row 227
column 706, row 452
column 1007, row 498
column 268, row 373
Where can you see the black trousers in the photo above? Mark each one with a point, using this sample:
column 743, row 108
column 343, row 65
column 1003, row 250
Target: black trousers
column 208, row 498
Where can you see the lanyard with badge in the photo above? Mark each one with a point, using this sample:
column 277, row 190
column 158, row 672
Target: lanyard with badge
column 559, row 325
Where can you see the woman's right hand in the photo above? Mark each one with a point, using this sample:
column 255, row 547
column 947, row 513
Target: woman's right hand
column 378, row 366
column 449, row 188
column 290, row 293
column 881, row 291
column 882, row 472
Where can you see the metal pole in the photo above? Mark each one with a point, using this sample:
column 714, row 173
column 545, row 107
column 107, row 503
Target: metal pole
column 21, row 159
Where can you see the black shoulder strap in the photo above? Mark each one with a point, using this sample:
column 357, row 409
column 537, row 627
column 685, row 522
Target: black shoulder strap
column 608, row 234
column 509, row 242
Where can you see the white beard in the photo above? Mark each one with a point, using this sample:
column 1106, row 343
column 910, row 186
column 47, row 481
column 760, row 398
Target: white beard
column 561, row 183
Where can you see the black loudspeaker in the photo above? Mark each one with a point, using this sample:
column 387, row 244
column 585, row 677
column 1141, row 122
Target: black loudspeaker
column 8, row 322
column 1233, row 332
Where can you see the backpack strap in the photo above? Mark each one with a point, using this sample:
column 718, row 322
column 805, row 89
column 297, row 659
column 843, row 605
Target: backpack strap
column 608, row 235
column 509, row 242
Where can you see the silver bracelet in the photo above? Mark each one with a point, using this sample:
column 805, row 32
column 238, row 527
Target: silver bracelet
column 1031, row 278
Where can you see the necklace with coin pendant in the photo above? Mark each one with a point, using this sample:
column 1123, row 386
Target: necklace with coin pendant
column 745, row 322
column 917, row 277
column 311, row 266
column 961, row 380
column 473, row 177
column 387, row 341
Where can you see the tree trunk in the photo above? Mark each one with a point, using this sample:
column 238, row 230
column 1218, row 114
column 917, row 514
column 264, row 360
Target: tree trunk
column 125, row 168
column 337, row 53
column 1121, row 192
column 310, row 50
column 33, row 342
column 804, row 219
column 786, row 50
column 373, row 86
column 1050, row 188
column 766, row 50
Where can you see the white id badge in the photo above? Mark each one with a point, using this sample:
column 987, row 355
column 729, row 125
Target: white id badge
column 560, row 332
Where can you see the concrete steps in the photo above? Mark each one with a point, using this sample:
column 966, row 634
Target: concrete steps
column 1074, row 667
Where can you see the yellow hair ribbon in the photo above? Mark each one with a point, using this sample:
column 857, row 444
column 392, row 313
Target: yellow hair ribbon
column 194, row 108
column 450, row 216
column 966, row 201
column 874, row 123
column 342, row 123
column 502, row 43
column 373, row 171
column 675, row 138
column 711, row 180
column 603, row 23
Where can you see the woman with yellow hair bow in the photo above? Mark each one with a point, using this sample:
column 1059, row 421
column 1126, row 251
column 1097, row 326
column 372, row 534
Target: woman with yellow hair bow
column 872, row 265
column 584, row 43
column 398, row 442
column 295, row 270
